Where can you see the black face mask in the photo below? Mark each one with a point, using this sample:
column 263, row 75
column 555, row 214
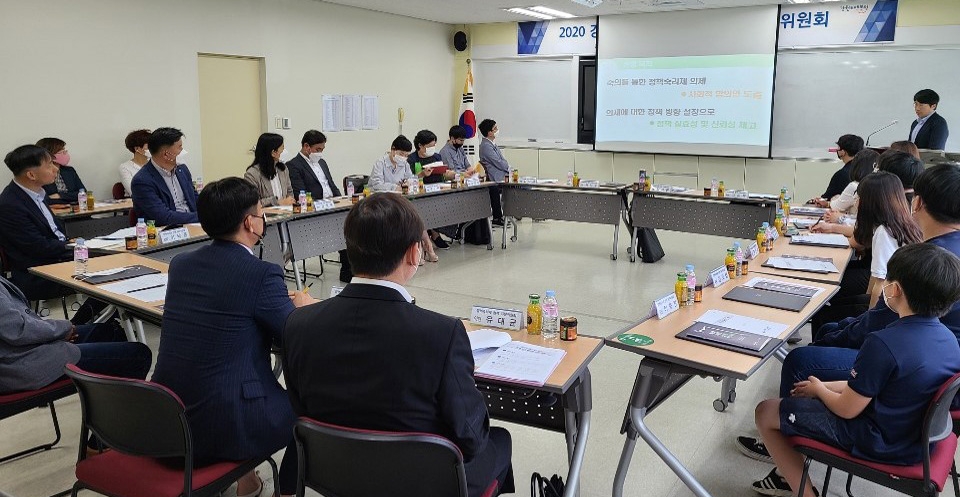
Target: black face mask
column 457, row 145
column 263, row 233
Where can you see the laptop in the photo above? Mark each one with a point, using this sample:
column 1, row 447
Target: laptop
column 767, row 298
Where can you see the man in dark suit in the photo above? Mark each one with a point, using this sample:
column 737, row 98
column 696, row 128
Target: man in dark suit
column 929, row 131
column 163, row 189
column 29, row 232
column 224, row 308
column 310, row 173
column 369, row 358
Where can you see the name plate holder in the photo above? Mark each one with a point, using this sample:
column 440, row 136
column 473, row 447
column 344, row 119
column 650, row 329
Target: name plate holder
column 589, row 183
column 323, row 205
column 719, row 276
column 472, row 181
column 335, row 290
column 431, row 188
column 528, row 180
column 665, row 306
column 754, row 250
column 174, row 235
column 509, row 319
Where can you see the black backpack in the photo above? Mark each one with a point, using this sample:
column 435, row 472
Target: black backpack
column 542, row 487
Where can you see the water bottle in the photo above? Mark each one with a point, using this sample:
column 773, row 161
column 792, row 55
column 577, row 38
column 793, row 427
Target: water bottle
column 198, row 184
column 738, row 253
column 351, row 189
column 550, row 327
column 142, row 241
column 80, row 255
column 82, row 200
column 302, row 200
column 569, row 178
column 691, row 284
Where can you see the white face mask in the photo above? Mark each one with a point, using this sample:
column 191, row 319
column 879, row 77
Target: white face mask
column 146, row 153
column 431, row 151
column 883, row 294
column 316, row 156
column 180, row 156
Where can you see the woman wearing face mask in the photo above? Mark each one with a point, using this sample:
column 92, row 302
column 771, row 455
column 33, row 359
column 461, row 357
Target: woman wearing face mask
column 268, row 174
column 390, row 172
column 136, row 143
column 65, row 188
column 424, row 163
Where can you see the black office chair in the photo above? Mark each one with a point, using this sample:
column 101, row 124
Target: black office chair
column 358, row 180
column 335, row 460
column 145, row 425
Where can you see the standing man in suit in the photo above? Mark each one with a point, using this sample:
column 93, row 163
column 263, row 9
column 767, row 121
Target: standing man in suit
column 224, row 309
column 310, row 173
column 929, row 131
column 494, row 163
column 163, row 188
column 371, row 359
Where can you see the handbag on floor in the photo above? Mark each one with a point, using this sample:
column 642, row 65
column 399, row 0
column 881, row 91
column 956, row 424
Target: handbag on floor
column 477, row 233
column 542, row 487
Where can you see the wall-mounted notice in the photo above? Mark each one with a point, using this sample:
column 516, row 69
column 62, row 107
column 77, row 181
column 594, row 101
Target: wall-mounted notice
column 332, row 112
column 351, row 112
column 371, row 112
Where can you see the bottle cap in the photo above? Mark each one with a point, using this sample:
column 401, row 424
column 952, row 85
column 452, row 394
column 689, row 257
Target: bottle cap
column 550, row 293
column 690, row 267
column 534, row 296
column 80, row 240
column 766, row 225
column 736, row 244
column 139, row 220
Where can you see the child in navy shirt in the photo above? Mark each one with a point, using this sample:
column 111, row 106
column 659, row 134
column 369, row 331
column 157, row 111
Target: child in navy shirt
column 877, row 413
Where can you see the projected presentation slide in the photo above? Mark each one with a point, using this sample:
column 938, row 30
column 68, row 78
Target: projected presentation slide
column 719, row 104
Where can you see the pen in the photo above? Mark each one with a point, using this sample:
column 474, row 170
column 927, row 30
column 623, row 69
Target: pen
column 147, row 288
column 818, row 222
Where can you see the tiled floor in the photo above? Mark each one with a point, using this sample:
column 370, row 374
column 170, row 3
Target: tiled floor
column 606, row 295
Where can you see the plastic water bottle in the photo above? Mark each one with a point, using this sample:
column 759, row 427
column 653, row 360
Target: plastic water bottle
column 82, row 200
column 198, row 184
column 351, row 189
column 738, row 253
column 142, row 240
column 302, row 200
column 550, row 327
column 80, row 255
column 691, row 284
column 569, row 178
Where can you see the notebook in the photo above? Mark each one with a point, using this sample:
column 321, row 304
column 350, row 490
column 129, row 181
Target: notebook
column 767, row 298
column 109, row 275
column 730, row 339
column 821, row 240
column 822, row 265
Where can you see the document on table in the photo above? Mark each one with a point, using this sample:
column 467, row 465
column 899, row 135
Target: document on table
column 484, row 342
column 780, row 286
column 803, row 223
column 120, row 234
column 149, row 288
column 746, row 324
column 822, row 239
column 800, row 263
column 99, row 243
column 518, row 362
column 806, row 210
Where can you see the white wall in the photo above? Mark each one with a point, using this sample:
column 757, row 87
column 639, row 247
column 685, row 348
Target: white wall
column 90, row 71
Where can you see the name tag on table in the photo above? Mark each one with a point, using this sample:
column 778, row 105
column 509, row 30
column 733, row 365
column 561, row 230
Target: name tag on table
column 323, row 205
column 501, row 318
column 664, row 306
column 174, row 235
column 774, row 234
column 472, row 181
column 527, row 180
column 754, row 250
column 589, row 183
column 719, row 276
column 431, row 188
column 334, row 291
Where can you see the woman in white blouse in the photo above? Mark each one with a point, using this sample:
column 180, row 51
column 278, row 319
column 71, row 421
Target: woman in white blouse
column 136, row 143
column 268, row 174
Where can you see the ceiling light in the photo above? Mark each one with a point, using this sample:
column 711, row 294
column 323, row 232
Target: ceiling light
column 526, row 12
column 552, row 12
column 588, row 3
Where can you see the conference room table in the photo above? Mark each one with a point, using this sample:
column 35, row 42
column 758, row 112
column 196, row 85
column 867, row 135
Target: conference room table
column 691, row 212
column 539, row 408
column 602, row 204
column 105, row 217
column 840, row 256
column 669, row 363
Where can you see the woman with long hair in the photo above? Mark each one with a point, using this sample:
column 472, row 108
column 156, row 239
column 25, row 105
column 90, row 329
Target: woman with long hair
column 268, row 174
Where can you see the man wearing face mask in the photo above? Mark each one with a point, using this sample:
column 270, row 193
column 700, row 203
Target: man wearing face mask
column 163, row 188
column 453, row 155
column 494, row 163
column 67, row 184
column 309, row 171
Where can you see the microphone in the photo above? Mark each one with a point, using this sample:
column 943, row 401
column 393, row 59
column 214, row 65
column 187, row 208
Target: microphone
column 895, row 121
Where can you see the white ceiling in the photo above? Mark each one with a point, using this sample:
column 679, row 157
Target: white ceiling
column 482, row 11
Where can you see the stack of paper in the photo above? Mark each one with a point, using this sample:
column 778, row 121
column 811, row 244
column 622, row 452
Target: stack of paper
column 783, row 287
column 746, row 324
column 822, row 239
column 120, row 234
column 484, row 342
column 149, row 288
column 800, row 263
column 99, row 243
column 522, row 363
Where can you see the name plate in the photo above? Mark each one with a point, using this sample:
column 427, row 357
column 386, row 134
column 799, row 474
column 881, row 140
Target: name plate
column 774, row 234
column 664, row 306
column 719, row 276
column 754, row 250
column 589, row 183
column 501, row 318
column 527, row 180
column 174, row 235
column 472, row 181
column 335, row 290
column 323, row 205
column 431, row 188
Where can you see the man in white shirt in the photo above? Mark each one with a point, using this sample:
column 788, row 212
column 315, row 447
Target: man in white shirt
column 308, row 171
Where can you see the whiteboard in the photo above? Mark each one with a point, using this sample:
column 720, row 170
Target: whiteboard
column 821, row 95
column 528, row 98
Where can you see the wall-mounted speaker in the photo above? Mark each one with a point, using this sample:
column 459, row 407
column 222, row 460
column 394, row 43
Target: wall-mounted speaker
column 460, row 41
